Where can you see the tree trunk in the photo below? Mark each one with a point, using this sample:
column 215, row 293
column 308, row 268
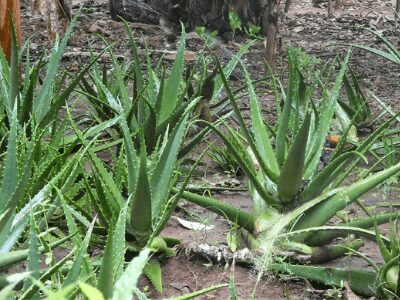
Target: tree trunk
column 287, row 5
column 9, row 8
column 398, row 6
column 337, row 4
column 210, row 13
column 270, row 31
column 329, row 8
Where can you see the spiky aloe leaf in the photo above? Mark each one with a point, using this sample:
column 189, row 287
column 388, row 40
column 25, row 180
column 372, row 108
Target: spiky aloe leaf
column 10, row 175
column 225, row 210
column 7, row 259
column 163, row 172
column 33, row 255
column 322, row 212
column 90, row 292
column 172, row 86
column 125, row 286
column 260, row 133
column 327, row 109
column 324, row 237
column 42, row 102
column 32, row 290
column 75, row 271
column 327, row 176
column 14, row 71
column 360, row 281
column 152, row 270
column 140, row 222
column 292, row 171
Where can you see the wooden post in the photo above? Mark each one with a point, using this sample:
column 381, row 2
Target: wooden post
column 270, row 31
column 9, row 8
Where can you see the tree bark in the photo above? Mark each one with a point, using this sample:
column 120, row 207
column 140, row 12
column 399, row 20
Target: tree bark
column 270, row 31
column 287, row 5
column 9, row 8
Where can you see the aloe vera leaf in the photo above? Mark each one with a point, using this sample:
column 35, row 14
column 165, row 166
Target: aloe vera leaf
column 46, row 275
column 301, row 234
column 9, row 258
column 14, row 71
column 292, row 171
column 200, row 292
column 360, row 281
column 227, row 211
column 105, row 281
column 172, row 85
column 324, row 211
column 108, row 183
column 141, row 213
column 330, row 252
column 33, row 255
column 45, row 116
column 262, row 139
column 327, row 176
column 85, row 267
column 228, row 69
column 163, row 173
column 384, row 54
column 113, row 256
column 324, row 237
column 327, row 109
column 42, row 102
column 10, row 175
column 244, row 128
column 152, row 270
column 136, row 58
column 392, row 266
column 75, row 271
column 126, row 284
column 382, row 247
column 169, row 207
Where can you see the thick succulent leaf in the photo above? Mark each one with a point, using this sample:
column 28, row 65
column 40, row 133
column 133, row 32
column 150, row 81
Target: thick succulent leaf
column 327, row 110
column 360, row 281
column 327, row 176
column 76, row 267
column 172, row 86
column 152, row 270
column 33, row 289
column 292, row 171
column 322, row 212
column 126, row 284
column 163, row 173
column 42, row 102
column 260, row 133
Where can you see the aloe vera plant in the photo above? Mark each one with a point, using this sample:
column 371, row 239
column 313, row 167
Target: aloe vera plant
column 290, row 192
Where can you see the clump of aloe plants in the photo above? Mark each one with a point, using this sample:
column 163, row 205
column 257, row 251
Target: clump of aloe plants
column 294, row 195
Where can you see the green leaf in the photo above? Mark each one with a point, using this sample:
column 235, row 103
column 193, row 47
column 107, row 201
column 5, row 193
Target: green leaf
column 142, row 201
column 90, row 292
column 172, row 86
column 126, row 284
column 152, row 270
column 292, row 171
column 75, row 271
column 360, row 281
